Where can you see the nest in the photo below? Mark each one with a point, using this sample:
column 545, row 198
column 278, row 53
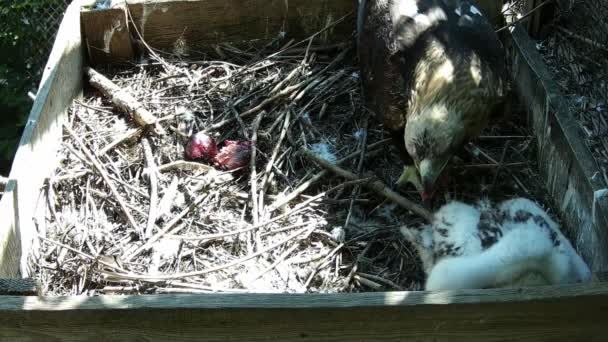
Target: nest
column 127, row 214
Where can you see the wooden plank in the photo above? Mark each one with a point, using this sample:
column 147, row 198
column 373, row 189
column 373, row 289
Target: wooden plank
column 108, row 39
column 35, row 157
column 567, row 166
column 18, row 287
column 192, row 27
column 530, row 314
column 10, row 242
column 540, row 21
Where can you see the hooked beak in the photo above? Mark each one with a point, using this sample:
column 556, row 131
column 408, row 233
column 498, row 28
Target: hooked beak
column 429, row 170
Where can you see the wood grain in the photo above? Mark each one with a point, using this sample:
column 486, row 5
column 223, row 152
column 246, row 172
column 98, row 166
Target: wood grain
column 565, row 162
column 36, row 155
column 18, row 287
column 10, row 242
column 191, row 28
column 108, row 39
column 532, row 314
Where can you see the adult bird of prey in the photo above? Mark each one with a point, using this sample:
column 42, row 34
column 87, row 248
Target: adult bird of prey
column 434, row 73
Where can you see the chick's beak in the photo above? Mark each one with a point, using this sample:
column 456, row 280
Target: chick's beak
column 429, row 170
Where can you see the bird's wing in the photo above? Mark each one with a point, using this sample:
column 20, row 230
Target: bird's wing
column 382, row 81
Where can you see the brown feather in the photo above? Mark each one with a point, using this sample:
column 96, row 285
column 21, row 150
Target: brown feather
column 433, row 71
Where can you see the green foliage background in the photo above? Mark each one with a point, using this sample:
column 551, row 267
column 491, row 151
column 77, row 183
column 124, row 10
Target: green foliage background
column 27, row 31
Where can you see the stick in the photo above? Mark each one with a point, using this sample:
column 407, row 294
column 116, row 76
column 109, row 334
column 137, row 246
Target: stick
column 288, row 198
column 182, row 164
column 164, row 207
column 583, row 39
column 500, row 164
column 284, row 256
column 523, row 17
column 120, row 97
column 105, row 177
column 320, row 263
column 253, row 181
column 257, row 108
column 88, row 256
column 128, row 135
column 167, row 228
column 356, row 189
column 273, row 158
column 376, row 186
column 216, row 268
column 153, row 186
column 379, row 279
column 239, row 120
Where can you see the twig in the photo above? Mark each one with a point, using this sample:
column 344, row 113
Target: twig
column 367, row 282
column 284, row 229
column 523, row 17
column 153, row 177
column 216, row 268
column 379, row 279
column 239, row 120
column 127, row 136
column 356, row 189
column 167, row 228
column 273, row 157
column 492, row 160
column 98, row 109
column 88, row 256
column 105, row 177
column 376, row 186
column 284, row 256
column 164, row 207
column 120, row 97
column 346, row 281
column 253, row 174
column 182, row 164
column 256, row 108
column 500, row 164
column 143, row 41
column 585, row 40
column 320, row 263
column 288, row 198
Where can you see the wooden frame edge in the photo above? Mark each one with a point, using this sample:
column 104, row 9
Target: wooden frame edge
column 61, row 82
column 573, row 181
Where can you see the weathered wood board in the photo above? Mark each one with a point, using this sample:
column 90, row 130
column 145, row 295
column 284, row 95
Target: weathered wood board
column 560, row 313
column 35, row 158
column 107, row 36
column 191, row 28
column 571, row 175
column 571, row 313
column 18, row 287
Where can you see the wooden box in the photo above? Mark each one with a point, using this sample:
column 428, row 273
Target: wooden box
column 556, row 313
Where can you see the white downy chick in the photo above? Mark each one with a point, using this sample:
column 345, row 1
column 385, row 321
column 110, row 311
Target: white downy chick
column 567, row 265
column 481, row 246
column 523, row 250
column 452, row 232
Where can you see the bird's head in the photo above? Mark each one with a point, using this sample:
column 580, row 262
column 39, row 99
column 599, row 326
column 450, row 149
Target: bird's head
column 432, row 135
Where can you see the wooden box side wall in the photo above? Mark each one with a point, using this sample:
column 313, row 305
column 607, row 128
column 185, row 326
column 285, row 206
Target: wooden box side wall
column 36, row 154
column 565, row 163
column 192, row 28
column 567, row 313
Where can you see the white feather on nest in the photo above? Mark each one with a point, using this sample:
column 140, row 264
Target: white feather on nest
column 515, row 243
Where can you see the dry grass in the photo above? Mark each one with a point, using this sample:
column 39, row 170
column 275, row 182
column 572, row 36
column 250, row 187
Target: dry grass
column 126, row 214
